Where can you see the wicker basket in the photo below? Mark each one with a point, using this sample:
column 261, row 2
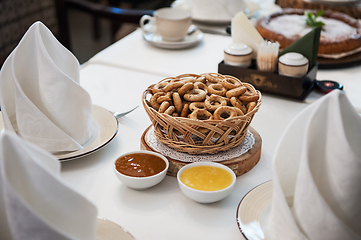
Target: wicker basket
column 188, row 135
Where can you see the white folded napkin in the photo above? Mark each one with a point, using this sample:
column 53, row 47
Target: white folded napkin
column 41, row 99
column 317, row 174
column 34, row 201
column 244, row 32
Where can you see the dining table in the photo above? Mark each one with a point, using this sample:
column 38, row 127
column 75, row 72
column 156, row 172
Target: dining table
column 115, row 78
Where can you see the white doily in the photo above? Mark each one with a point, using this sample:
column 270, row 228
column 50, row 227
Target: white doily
column 156, row 145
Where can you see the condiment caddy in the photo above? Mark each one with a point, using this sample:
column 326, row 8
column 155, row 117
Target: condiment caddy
column 290, row 72
column 273, row 82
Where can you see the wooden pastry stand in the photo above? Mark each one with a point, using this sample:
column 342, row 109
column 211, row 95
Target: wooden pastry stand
column 239, row 165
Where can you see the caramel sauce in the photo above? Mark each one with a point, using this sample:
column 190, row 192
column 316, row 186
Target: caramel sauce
column 140, row 165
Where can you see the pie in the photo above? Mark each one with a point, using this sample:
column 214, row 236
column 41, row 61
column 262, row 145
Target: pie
column 341, row 33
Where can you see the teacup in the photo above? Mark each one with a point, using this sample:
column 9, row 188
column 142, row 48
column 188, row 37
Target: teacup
column 172, row 24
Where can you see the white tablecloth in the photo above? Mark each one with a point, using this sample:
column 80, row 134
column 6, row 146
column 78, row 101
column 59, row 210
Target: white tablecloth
column 162, row 212
column 115, row 79
column 134, row 53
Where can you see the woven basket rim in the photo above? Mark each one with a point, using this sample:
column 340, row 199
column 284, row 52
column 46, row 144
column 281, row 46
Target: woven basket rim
column 256, row 108
column 231, row 131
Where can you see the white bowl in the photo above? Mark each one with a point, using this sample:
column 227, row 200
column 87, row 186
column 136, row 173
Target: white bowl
column 142, row 182
column 206, row 196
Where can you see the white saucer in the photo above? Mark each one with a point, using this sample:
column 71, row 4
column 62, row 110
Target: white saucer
column 254, row 211
column 107, row 230
column 189, row 41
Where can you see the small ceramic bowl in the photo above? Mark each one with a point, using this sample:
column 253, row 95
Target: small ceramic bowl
column 238, row 54
column 142, row 182
column 206, row 196
column 292, row 64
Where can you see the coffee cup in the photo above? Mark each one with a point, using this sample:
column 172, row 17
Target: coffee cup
column 171, row 24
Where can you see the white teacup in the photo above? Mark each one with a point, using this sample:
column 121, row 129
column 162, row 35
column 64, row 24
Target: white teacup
column 171, row 23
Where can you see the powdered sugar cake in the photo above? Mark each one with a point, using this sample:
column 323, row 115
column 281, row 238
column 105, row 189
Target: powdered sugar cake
column 341, row 33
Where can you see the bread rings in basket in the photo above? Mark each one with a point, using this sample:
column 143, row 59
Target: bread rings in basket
column 201, row 113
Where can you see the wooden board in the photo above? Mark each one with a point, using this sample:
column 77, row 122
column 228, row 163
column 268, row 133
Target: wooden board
column 348, row 61
column 239, row 165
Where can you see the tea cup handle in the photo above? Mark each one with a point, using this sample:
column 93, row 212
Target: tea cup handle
column 147, row 27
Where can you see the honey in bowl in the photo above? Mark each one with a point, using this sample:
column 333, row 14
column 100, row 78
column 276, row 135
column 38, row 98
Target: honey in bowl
column 140, row 165
column 206, row 178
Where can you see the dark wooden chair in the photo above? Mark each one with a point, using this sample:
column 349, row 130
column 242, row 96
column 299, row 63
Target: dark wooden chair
column 17, row 16
column 116, row 15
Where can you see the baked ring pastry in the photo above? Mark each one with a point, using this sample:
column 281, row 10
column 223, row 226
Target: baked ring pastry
column 197, row 105
column 184, row 112
column 231, row 82
column 185, row 88
column 214, row 102
column 235, row 92
column 341, row 33
column 217, row 89
column 164, row 106
column 201, row 114
column 224, row 112
column 177, row 101
column 195, row 95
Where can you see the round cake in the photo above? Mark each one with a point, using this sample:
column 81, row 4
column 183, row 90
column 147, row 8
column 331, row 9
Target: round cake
column 341, row 33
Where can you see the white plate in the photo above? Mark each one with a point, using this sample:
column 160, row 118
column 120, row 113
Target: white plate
column 105, row 127
column 250, row 11
column 254, row 211
column 107, row 230
column 189, row 40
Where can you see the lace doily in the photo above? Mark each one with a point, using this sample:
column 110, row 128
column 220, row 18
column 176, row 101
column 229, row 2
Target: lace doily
column 155, row 144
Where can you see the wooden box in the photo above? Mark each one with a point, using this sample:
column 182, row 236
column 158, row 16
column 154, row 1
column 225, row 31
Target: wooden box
column 273, row 83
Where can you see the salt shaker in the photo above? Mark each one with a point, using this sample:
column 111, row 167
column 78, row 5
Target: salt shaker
column 293, row 64
column 238, row 54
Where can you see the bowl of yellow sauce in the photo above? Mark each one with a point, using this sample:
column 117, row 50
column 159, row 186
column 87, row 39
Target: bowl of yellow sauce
column 206, row 182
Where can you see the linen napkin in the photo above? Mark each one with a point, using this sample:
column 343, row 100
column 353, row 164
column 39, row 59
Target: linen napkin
column 243, row 31
column 34, row 201
column 41, row 99
column 317, row 174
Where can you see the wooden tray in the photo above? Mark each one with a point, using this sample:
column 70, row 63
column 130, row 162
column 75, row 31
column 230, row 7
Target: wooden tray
column 239, row 165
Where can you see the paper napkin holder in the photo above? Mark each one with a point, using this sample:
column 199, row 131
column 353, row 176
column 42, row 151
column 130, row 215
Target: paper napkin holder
column 274, row 83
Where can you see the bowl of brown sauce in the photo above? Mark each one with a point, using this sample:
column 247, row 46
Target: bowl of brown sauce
column 141, row 169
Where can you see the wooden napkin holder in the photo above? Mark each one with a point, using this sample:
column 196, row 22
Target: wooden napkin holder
column 274, row 83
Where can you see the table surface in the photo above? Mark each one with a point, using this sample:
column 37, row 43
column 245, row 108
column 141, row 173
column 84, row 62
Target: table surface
column 115, row 79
